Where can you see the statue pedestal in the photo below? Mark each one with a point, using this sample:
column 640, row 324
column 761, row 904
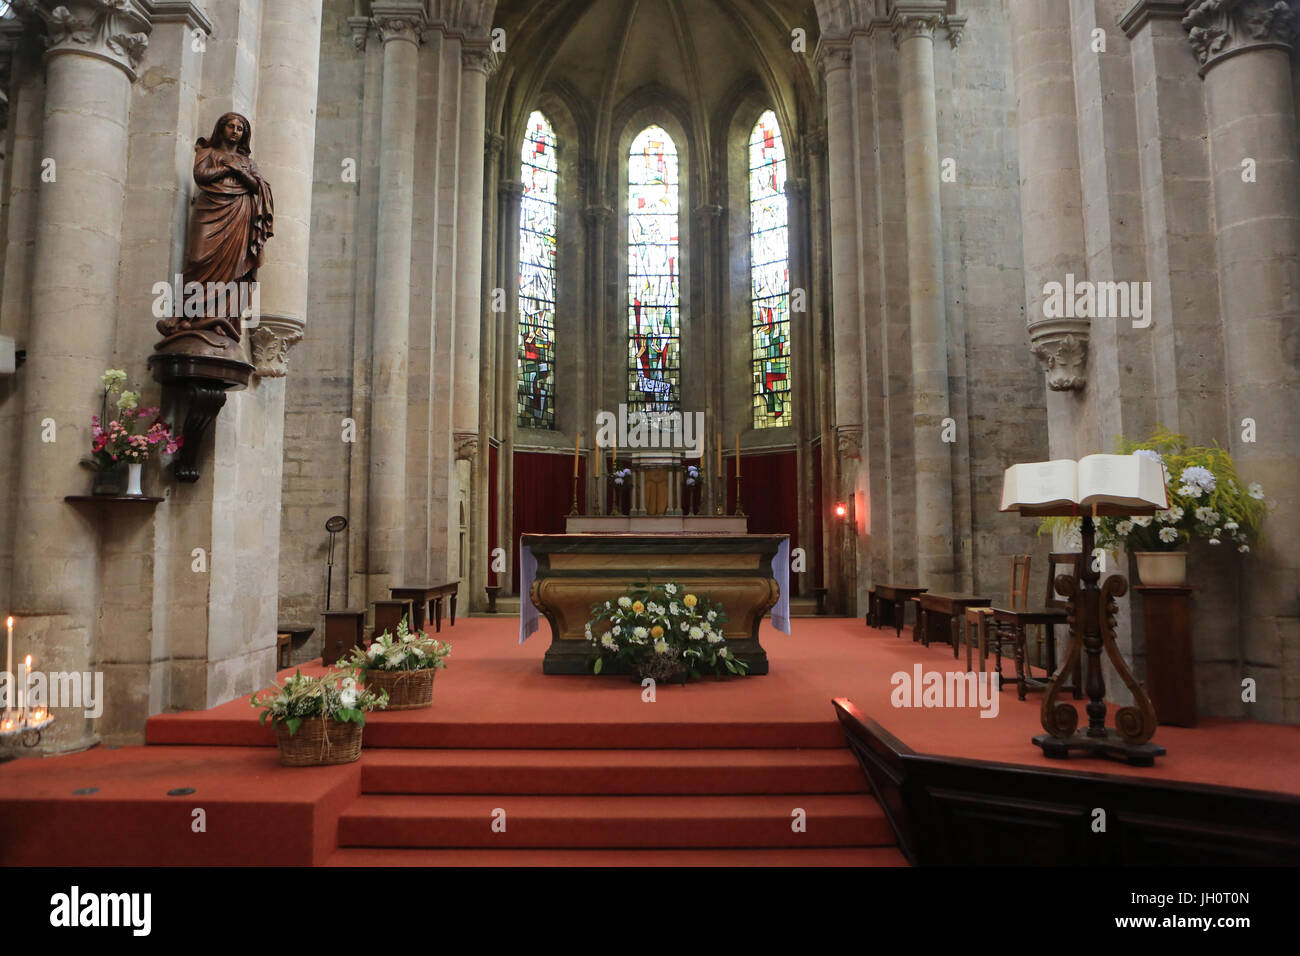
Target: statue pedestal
column 204, row 380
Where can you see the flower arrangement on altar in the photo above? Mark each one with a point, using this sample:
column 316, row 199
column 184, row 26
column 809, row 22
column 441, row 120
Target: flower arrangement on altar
column 133, row 433
column 662, row 631
column 620, row 477
column 318, row 720
column 1207, row 500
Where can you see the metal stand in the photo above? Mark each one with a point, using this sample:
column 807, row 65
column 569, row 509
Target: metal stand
column 740, row 510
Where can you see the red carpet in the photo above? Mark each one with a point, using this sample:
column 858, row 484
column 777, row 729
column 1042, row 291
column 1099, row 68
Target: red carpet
column 586, row 772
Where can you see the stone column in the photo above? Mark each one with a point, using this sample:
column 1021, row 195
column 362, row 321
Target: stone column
column 1244, row 47
column 93, row 53
column 706, row 245
column 401, row 29
column 841, row 172
column 805, row 412
column 1051, row 207
column 476, row 62
column 914, row 26
column 510, row 197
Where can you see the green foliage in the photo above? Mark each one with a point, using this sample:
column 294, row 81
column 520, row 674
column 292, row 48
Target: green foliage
column 335, row 695
column 649, row 624
column 1207, row 499
column 405, row 651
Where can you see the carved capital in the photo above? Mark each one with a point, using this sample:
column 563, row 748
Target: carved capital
column 913, row 19
column 361, row 28
column 116, row 31
column 511, row 189
column 1218, row 29
column 833, row 53
column 478, row 57
column 1062, row 347
column 466, row 445
column 272, row 338
column 848, row 440
column 397, row 21
column 493, row 143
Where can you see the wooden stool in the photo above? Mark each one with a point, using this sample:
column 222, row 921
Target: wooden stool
column 388, row 614
column 344, row 630
column 283, row 645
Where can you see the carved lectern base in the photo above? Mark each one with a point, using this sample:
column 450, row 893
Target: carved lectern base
column 1112, row 745
column 204, row 380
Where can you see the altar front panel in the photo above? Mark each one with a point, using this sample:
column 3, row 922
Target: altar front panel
column 577, row 571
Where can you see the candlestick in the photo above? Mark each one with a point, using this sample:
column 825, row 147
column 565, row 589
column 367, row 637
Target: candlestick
column 737, row 454
column 719, row 454
column 576, row 441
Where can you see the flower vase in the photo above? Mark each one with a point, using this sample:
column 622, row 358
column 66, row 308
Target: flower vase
column 1162, row 568
column 133, row 479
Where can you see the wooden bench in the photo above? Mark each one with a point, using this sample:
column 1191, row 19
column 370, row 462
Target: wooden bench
column 440, row 591
column 885, row 605
column 427, row 598
column 940, row 614
column 344, row 630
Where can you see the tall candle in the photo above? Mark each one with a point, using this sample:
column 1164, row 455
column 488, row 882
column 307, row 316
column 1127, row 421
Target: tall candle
column 9, row 660
column 719, row 455
column 576, row 441
column 737, row 454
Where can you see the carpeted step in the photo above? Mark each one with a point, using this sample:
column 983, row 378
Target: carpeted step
column 611, row 772
column 816, row 856
column 576, row 822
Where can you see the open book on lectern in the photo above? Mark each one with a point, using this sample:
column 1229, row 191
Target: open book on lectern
column 1108, row 484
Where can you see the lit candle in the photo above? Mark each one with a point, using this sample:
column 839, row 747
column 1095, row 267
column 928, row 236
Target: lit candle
column 9, row 661
column 576, row 441
column 737, row 454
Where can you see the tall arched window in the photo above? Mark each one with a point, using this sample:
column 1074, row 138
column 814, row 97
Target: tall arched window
column 769, row 259
column 539, row 173
column 653, row 287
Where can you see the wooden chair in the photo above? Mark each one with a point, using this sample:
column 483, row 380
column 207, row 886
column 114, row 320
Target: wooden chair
column 1007, row 625
column 977, row 616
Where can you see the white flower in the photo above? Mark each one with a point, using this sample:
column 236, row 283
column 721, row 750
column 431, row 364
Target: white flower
column 348, row 699
column 714, row 637
column 1244, row 548
column 608, row 606
column 712, row 615
column 674, row 608
column 1150, row 453
column 670, row 588
column 618, row 629
column 396, row 656
column 607, row 640
column 1175, row 514
column 639, row 633
column 1215, row 541
column 373, row 651
column 1199, row 477
column 685, row 626
column 1256, row 491
column 1124, row 527
column 1168, row 535
column 661, row 646
column 1189, row 491
column 1142, row 522
column 418, row 653
column 723, row 652
column 625, row 602
column 696, row 634
column 1207, row 515
column 1231, row 526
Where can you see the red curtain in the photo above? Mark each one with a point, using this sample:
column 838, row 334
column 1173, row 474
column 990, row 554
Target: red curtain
column 543, row 496
column 770, row 493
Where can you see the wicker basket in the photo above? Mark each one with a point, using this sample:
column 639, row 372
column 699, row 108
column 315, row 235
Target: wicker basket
column 407, row 690
column 318, row 742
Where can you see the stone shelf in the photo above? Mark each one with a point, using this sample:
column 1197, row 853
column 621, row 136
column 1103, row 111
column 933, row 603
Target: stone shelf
column 140, row 498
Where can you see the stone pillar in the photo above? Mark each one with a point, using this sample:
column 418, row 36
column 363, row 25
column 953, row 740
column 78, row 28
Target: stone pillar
column 1051, row 207
column 510, row 197
column 469, row 245
column 914, row 26
column 93, row 53
column 1244, row 47
column 401, row 30
column 803, row 394
column 836, row 60
column 596, row 220
column 707, row 248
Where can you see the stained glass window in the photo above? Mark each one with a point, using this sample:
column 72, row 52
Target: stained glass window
column 769, row 259
column 539, row 173
column 653, row 286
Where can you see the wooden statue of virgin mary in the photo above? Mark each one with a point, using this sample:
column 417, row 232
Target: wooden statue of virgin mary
column 232, row 219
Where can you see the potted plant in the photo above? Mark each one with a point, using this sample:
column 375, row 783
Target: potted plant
column 1207, row 500
column 318, row 720
column 126, row 440
column 620, row 479
column 401, row 666
column 663, row 632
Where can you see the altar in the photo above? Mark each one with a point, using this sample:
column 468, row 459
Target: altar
column 564, row 575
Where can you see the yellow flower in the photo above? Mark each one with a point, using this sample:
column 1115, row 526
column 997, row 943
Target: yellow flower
column 638, row 607
column 690, row 600
column 656, row 631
